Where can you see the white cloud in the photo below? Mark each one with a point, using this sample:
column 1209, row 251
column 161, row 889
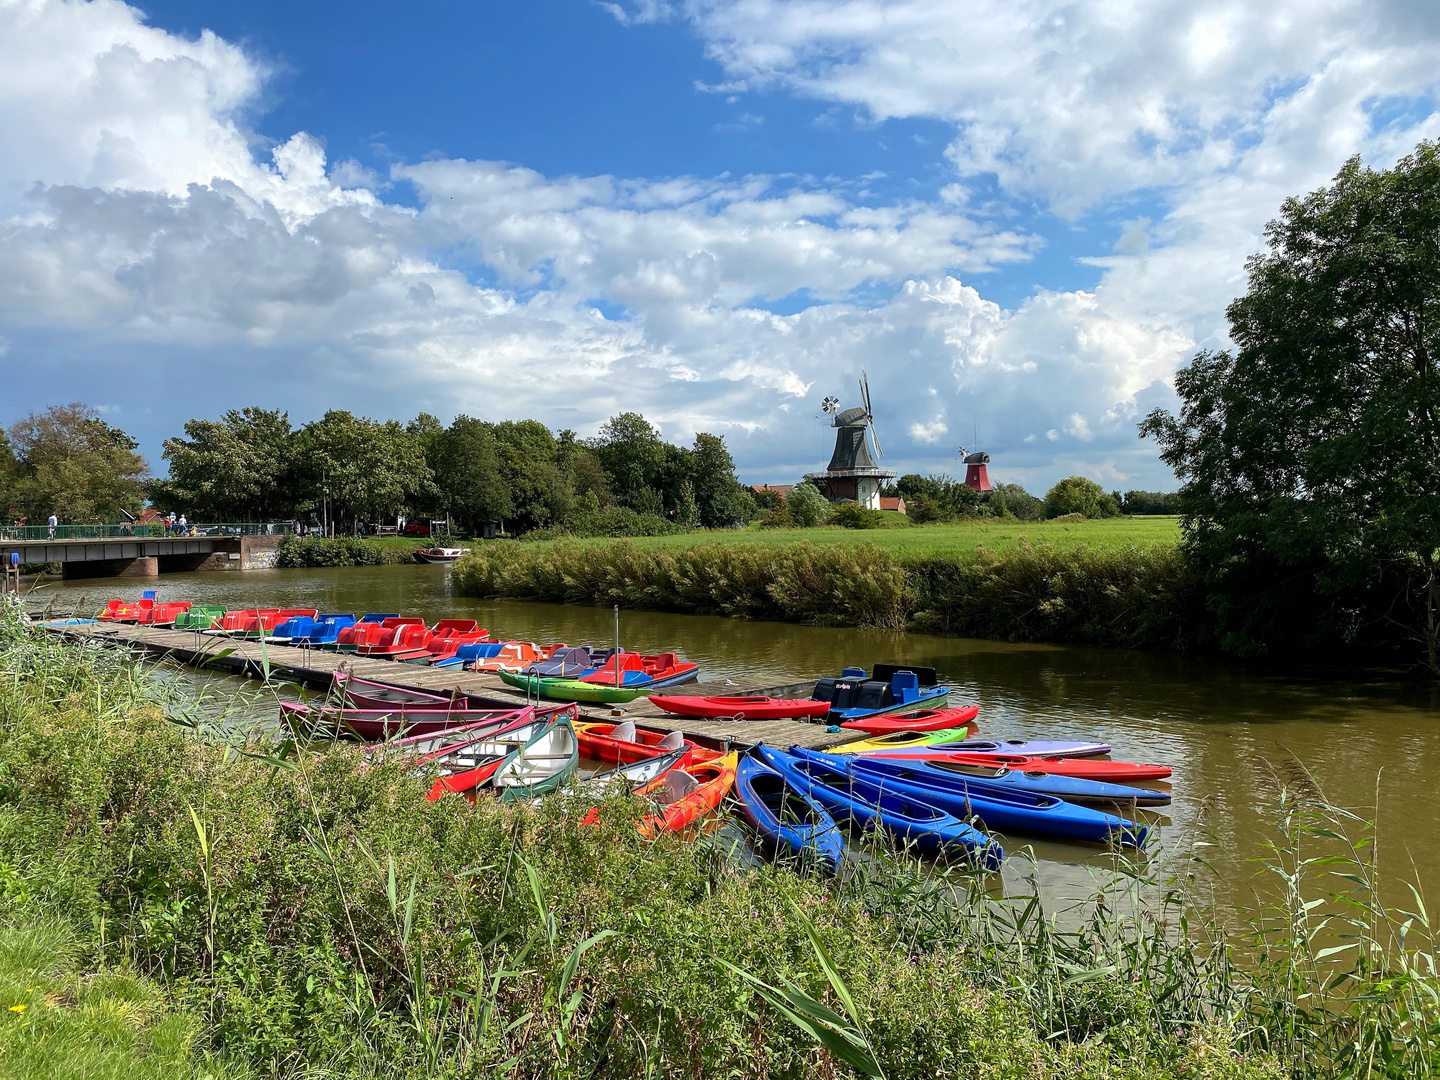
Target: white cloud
column 929, row 432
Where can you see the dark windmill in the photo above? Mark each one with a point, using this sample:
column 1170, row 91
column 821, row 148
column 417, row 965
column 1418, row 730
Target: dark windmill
column 853, row 475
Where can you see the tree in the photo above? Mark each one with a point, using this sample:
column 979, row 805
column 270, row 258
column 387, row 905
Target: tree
column 721, row 497
column 1310, row 456
column 9, row 480
column 371, row 470
column 537, row 488
column 471, row 485
column 807, row 506
column 241, row 467
column 1150, row 502
column 938, row 497
column 633, row 455
column 75, row 465
column 1021, row 503
column 1077, row 495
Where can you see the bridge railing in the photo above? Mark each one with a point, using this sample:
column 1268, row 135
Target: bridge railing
column 153, row 531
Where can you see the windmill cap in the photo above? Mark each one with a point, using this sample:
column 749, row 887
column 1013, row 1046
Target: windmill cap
column 851, row 416
column 977, row 458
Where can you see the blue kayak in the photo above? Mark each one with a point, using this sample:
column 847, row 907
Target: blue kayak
column 785, row 816
column 908, row 815
column 1070, row 788
column 998, row 806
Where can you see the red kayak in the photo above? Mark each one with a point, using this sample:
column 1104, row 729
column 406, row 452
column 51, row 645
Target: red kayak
column 627, row 744
column 924, row 720
column 1079, row 768
column 744, row 708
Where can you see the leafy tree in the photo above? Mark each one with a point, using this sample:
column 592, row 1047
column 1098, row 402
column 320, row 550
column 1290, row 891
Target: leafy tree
column 1310, row 456
column 687, row 510
column 472, row 487
column 633, row 456
column 75, row 465
column 9, row 479
column 938, row 497
column 241, row 467
column 1021, row 503
column 1077, row 495
column 721, row 497
column 854, row 516
column 1150, row 502
column 807, row 506
column 538, row 489
column 371, row 470
column 587, row 476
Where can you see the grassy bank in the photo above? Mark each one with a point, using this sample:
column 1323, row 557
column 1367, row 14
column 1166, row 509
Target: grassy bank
column 1137, row 595
column 176, row 908
column 346, row 551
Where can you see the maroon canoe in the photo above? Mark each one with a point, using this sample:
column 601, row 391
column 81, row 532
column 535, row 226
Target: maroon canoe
column 371, row 724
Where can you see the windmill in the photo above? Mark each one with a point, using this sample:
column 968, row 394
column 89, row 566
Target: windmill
column 975, row 475
column 853, row 474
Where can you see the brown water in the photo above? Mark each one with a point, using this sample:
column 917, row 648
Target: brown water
column 1214, row 721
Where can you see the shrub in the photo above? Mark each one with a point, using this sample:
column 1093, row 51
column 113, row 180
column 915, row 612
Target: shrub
column 341, row 551
column 807, row 506
column 854, row 516
column 1077, row 495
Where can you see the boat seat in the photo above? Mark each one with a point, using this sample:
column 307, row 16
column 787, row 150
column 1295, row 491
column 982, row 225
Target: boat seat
column 623, row 732
column 674, row 741
column 873, row 695
column 678, row 784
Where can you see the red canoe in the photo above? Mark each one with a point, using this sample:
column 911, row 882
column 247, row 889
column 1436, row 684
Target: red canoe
column 744, row 708
column 1079, row 768
column 924, row 720
column 627, row 744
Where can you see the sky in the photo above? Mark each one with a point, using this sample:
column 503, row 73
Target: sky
column 1018, row 217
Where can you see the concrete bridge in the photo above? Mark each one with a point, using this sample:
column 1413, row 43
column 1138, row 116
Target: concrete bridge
column 141, row 556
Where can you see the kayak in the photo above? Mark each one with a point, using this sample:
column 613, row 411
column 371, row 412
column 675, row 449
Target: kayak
column 1069, row 788
column 329, row 721
column 1015, row 747
column 542, row 764
column 688, row 793
column 997, row 806
column 636, row 773
column 368, row 694
column 1082, row 768
column 902, row 740
column 785, row 816
column 742, row 708
column 924, row 720
column 572, row 689
column 849, row 797
column 888, row 688
column 626, row 742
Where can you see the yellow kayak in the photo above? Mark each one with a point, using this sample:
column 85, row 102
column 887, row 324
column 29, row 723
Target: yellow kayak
column 902, row 740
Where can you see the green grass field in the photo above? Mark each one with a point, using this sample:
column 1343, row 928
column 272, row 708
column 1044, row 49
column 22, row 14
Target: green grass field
column 959, row 540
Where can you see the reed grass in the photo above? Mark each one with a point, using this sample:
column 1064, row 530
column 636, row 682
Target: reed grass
column 287, row 910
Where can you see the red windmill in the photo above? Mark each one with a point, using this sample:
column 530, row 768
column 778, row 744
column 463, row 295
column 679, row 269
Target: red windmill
column 975, row 475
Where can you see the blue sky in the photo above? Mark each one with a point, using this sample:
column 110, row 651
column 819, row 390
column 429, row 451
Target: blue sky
column 1019, row 220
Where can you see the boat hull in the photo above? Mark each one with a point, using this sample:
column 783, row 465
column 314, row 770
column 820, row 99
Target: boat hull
column 785, row 817
column 742, row 708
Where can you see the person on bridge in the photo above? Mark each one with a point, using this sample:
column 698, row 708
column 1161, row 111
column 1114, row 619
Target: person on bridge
column 181, row 525
column 54, row 521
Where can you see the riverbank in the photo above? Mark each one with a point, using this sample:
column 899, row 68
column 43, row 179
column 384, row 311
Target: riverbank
column 1138, row 595
column 302, row 551
column 185, row 911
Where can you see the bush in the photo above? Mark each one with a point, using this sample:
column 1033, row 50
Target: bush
column 617, row 521
column 807, row 506
column 341, row 551
column 855, row 516
column 1077, row 495
column 1150, row 502
column 1020, row 503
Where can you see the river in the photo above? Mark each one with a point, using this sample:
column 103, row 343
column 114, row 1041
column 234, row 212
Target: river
column 1215, row 721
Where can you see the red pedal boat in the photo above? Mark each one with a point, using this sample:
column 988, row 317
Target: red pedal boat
column 1078, row 768
column 924, row 720
column 745, row 708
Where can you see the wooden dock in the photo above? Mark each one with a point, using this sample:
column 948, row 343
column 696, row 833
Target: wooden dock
column 316, row 667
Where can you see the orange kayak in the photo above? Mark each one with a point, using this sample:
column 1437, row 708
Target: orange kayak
column 924, row 720
column 686, row 794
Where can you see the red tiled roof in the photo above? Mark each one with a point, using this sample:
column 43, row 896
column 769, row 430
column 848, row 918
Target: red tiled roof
column 895, row 503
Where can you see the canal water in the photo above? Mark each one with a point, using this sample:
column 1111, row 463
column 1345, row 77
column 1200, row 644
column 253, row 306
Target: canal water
column 1372, row 741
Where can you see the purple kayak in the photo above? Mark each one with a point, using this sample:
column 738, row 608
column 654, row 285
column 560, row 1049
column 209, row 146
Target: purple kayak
column 1030, row 748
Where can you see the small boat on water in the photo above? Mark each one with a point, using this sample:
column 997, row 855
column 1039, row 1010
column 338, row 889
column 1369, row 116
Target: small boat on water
column 440, row 554
column 368, row 694
column 123, row 611
column 889, row 688
column 542, row 764
column 938, row 742
column 687, row 793
column 1081, row 768
column 634, row 773
column 626, row 742
column 330, row 721
column 995, row 805
column 866, row 802
column 316, row 631
column 663, row 669
column 786, row 817
column 921, row 720
column 373, row 631
column 570, row 662
column 901, row 740
column 742, row 708
column 1069, row 788
column 477, row 763
column 199, row 617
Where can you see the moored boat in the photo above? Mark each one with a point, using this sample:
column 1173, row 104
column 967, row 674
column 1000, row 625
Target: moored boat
column 626, row 742
column 938, row 742
column 478, row 762
column 1083, row 768
column 888, row 688
column 440, row 554
column 901, row 740
column 542, row 764
column 330, row 721
column 368, row 694
column 741, row 708
column 786, row 817
column 1069, row 788
column 199, row 617
column 920, row 720
column 686, row 794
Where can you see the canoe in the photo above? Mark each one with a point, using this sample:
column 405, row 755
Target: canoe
column 368, row 694
column 686, row 794
column 923, row 720
column 851, row 797
column 786, row 817
column 636, row 773
column 1082, row 768
column 626, row 742
column 997, row 806
column 742, row 708
column 1049, row 748
column 1069, row 788
column 330, row 721
column 542, row 764
column 889, row 688
column 902, row 740
column 480, row 761
column 427, row 744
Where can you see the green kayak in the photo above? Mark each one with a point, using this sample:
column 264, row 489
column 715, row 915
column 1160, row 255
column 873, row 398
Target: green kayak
column 574, row 689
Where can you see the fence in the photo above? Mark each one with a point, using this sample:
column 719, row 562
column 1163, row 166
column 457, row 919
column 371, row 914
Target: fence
column 154, row 531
